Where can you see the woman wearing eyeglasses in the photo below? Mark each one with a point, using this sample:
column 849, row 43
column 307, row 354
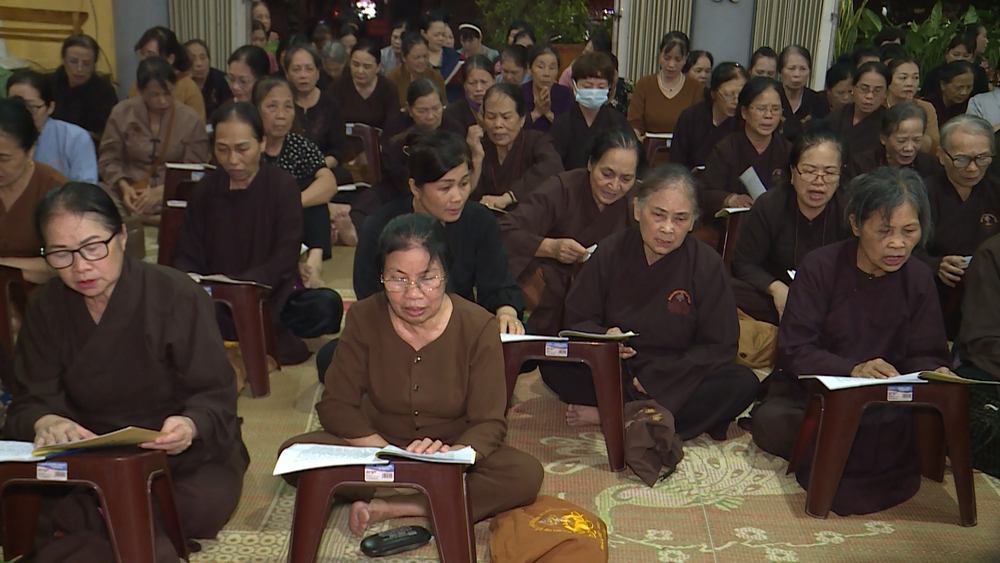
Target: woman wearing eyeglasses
column 116, row 342
column 788, row 222
column 247, row 65
column 965, row 203
column 759, row 149
column 23, row 183
column 83, row 97
column 421, row 368
column 859, row 123
column 701, row 126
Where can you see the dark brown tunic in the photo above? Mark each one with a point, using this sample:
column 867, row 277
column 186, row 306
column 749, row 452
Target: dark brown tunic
column 156, row 353
column 945, row 112
column 978, row 341
column 461, row 112
column 18, row 238
column 837, row 317
column 452, row 389
column 815, row 105
column 573, row 138
column 961, row 226
column 731, row 157
column 375, row 110
column 562, row 207
column 88, row 105
column 323, row 124
column 696, row 135
column 252, row 234
column 532, row 160
column 857, row 138
column 862, row 163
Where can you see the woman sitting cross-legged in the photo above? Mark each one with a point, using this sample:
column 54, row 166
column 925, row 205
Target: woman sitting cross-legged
column 115, row 342
column 673, row 291
column 861, row 308
column 421, row 368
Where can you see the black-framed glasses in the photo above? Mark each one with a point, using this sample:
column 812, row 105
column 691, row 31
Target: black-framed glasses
column 811, row 175
column 91, row 252
column 403, row 285
column 963, row 161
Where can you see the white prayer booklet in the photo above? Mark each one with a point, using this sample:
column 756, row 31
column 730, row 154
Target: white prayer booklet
column 531, row 338
column 964, row 264
column 454, row 71
column 751, row 181
column 590, row 252
column 596, row 336
column 353, row 187
column 17, row 452
column 833, row 382
column 301, row 457
column 791, row 274
column 219, row 278
column 128, row 436
column 727, row 211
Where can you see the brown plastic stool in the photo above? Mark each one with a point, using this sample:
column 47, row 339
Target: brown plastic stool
column 125, row 480
column 443, row 484
column 254, row 328
column 836, row 414
column 606, row 369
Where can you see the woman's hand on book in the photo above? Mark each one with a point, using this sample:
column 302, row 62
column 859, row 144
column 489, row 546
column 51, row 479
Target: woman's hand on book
column 179, row 432
column 54, row 429
column 429, row 446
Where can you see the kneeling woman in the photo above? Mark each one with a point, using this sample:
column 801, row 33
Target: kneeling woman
column 673, row 291
column 861, row 308
column 116, row 342
column 421, row 368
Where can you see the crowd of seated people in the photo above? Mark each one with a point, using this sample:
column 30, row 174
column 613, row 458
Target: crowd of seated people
column 513, row 194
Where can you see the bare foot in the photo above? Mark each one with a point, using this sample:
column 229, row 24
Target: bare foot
column 363, row 514
column 581, row 415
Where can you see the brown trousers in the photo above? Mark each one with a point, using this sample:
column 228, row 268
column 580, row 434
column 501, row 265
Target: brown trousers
column 505, row 479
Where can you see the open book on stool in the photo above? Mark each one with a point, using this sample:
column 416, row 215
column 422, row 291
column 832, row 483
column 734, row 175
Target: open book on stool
column 300, row 457
column 834, row 382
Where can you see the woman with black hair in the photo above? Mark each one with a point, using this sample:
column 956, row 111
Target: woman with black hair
column 659, row 99
column 544, row 98
column 508, row 161
column 162, row 42
column 963, row 47
column 365, row 95
column 318, row 112
column 840, row 85
column 759, row 151
column 957, row 79
column 143, row 134
column 414, row 66
column 548, row 234
column 247, row 65
column 764, row 63
column 244, row 221
column 442, row 57
column 699, row 66
column 801, row 104
column 701, row 126
column 477, row 77
column 116, row 342
column 904, row 80
column 859, row 122
column 212, row 81
column 82, row 96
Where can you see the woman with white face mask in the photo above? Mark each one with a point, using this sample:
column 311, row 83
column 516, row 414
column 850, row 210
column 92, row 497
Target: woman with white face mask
column 574, row 131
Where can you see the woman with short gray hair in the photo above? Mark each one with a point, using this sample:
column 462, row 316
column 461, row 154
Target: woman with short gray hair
column 965, row 203
column 904, row 128
column 334, row 56
column 673, row 291
column 861, row 308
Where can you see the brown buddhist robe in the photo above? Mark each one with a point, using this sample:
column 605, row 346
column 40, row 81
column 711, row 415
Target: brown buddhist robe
column 862, row 137
column 155, row 353
column 324, row 125
column 401, row 78
column 562, row 207
column 573, row 138
column 532, row 160
column 684, row 313
column 462, row 112
column 696, row 135
column 452, row 389
column 731, row 158
column 944, row 111
column 862, row 163
column 978, row 340
column 774, row 237
column 129, row 149
column 18, row 237
column 88, row 105
column 837, row 317
column 375, row 110
column 814, row 105
column 253, row 234
column 185, row 91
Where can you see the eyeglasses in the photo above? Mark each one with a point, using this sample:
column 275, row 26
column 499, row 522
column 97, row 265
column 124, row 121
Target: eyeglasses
column 963, row 161
column 403, row 285
column 33, row 108
column 91, row 252
column 866, row 89
column 243, row 81
column 764, row 110
column 730, row 97
column 811, row 175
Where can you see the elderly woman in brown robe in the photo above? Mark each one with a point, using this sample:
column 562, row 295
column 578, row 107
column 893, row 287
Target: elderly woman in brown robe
column 115, row 342
column 861, row 308
column 904, row 128
column 433, row 384
column 548, row 234
column 509, row 161
column 145, row 133
column 859, row 123
column 673, row 291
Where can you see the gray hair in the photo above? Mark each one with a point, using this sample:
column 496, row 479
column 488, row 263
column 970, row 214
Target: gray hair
column 335, row 51
column 669, row 177
column 970, row 125
column 885, row 190
column 897, row 114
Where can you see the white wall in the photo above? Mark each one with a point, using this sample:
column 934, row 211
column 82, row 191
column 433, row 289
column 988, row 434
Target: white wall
column 132, row 18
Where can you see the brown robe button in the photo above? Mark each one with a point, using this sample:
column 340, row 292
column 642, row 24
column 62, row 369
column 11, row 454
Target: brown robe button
column 416, row 413
column 417, row 359
column 416, row 388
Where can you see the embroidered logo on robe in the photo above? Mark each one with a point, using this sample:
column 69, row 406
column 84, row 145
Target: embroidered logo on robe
column 572, row 522
column 988, row 220
column 679, row 302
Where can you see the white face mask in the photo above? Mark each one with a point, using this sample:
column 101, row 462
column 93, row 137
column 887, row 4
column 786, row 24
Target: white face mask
column 592, row 98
